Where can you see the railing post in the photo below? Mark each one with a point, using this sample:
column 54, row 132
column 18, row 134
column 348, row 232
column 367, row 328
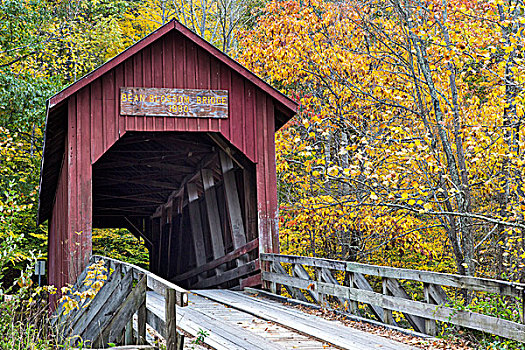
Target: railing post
column 321, row 298
column 386, row 312
column 128, row 333
column 523, row 306
column 171, row 319
column 273, row 285
column 430, row 324
column 141, row 331
column 353, row 304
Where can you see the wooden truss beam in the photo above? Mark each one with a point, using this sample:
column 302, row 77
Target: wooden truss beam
column 212, row 209
column 196, row 225
column 233, row 205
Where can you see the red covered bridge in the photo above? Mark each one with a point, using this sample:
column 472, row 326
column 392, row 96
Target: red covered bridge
column 173, row 140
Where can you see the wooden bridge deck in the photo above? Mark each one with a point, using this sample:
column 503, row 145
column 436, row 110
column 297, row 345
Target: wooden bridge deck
column 238, row 320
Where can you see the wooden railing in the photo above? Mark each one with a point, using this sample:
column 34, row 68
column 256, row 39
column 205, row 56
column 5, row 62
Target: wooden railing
column 422, row 315
column 108, row 318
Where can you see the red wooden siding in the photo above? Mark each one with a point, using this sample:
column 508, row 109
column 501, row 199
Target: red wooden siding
column 201, row 71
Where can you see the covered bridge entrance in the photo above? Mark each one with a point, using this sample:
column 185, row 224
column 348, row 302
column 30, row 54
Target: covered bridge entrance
column 173, row 140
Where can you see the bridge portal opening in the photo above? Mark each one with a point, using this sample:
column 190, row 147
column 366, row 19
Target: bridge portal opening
column 190, row 196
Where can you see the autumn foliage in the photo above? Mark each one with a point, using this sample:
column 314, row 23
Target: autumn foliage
column 407, row 150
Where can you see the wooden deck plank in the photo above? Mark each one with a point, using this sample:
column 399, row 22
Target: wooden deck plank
column 235, row 320
column 330, row 331
column 268, row 330
column 191, row 320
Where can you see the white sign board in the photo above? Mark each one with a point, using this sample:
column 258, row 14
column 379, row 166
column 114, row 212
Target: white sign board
column 40, row 268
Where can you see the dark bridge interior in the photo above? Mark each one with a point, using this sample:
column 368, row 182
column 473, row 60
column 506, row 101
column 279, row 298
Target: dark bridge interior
column 190, row 196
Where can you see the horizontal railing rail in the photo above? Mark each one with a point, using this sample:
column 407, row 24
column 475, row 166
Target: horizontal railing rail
column 422, row 315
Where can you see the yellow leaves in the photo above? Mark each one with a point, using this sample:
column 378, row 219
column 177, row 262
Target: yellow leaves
column 333, row 171
column 373, row 196
column 95, row 278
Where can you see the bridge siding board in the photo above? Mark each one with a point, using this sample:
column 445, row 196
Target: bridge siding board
column 84, row 319
column 112, row 332
column 110, row 305
column 212, row 210
column 196, row 225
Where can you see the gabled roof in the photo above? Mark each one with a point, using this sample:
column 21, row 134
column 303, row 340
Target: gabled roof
column 156, row 35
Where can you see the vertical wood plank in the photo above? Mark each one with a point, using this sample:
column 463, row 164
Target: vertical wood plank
column 157, row 53
column 388, row 319
column 271, row 186
column 108, row 103
column 161, row 266
column 214, row 85
column 249, row 117
column 128, row 333
column 250, row 205
column 354, row 309
column 68, row 248
column 120, row 122
column 203, row 82
column 225, row 84
column 233, row 204
column 321, row 298
column 86, row 185
column 430, row 325
column 141, row 331
column 155, row 239
column 147, row 80
column 129, row 122
column 180, row 238
column 97, row 122
column 265, row 243
column 169, row 71
column 171, row 319
column 196, row 225
column 179, row 52
column 210, row 197
column 236, row 110
column 191, row 77
column 138, row 80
